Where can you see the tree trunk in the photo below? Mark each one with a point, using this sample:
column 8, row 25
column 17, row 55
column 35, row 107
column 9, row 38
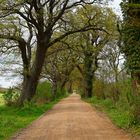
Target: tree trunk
column 135, row 83
column 116, row 91
column 88, row 74
column 88, row 85
column 69, row 87
column 62, row 85
column 54, row 89
column 30, row 83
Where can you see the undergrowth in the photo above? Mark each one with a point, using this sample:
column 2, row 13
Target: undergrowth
column 120, row 113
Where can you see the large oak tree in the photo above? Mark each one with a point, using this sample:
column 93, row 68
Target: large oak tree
column 90, row 44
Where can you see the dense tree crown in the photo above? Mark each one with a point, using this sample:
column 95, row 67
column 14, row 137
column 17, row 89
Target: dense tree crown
column 61, row 46
column 131, row 33
column 35, row 26
column 130, row 46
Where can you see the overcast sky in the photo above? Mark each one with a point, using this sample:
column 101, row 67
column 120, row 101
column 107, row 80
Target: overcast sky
column 116, row 6
column 4, row 82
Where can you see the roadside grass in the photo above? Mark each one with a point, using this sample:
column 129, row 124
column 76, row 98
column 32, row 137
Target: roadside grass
column 120, row 113
column 13, row 118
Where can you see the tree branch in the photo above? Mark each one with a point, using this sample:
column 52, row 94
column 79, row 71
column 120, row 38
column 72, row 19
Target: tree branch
column 84, row 29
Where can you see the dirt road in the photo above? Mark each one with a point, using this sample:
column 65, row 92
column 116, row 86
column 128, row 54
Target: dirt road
column 72, row 119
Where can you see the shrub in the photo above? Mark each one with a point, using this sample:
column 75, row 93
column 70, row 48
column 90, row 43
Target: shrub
column 135, row 111
column 43, row 93
column 60, row 92
column 10, row 97
column 98, row 89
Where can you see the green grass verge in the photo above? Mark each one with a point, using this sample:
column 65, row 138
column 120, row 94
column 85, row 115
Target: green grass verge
column 120, row 113
column 13, row 119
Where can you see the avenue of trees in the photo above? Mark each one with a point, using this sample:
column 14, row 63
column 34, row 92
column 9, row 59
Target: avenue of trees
column 80, row 45
column 34, row 26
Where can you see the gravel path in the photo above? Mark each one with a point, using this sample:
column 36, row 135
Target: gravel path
column 72, row 119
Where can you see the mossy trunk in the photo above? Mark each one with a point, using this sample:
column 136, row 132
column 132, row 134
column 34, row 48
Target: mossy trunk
column 88, row 76
column 30, row 82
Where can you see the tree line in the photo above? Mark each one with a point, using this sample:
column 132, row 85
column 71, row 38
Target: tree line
column 78, row 44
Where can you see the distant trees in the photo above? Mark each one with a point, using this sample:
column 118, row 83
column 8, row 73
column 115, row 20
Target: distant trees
column 89, row 45
column 59, row 63
column 59, row 36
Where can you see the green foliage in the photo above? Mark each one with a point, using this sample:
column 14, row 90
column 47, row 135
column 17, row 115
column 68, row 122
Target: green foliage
column 1, row 99
column 136, row 111
column 130, row 34
column 10, row 97
column 60, row 93
column 98, row 89
column 131, row 47
column 82, row 94
column 43, row 93
column 89, row 45
column 118, row 115
column 124, row 112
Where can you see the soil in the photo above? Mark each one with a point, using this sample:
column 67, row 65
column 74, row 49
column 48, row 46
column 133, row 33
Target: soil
column 72, row 119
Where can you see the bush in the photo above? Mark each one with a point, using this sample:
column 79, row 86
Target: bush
column 60, row 93
column 135, row 109
column 119, row 103
column 10, row 97
column 98, row 89
column 43, row 93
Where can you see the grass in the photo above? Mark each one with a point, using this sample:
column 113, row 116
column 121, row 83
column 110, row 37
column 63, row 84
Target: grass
column 119, row 113
column 13, row 119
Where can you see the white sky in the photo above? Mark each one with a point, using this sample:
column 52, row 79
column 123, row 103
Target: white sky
column 115, row 5
column 4, row 82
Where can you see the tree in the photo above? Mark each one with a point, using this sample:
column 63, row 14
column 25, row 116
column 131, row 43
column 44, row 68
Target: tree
column 89, row 45
column 113, row 59
column 130, row 32
column 112, row 67
column 60, row 62
column 41, row 19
